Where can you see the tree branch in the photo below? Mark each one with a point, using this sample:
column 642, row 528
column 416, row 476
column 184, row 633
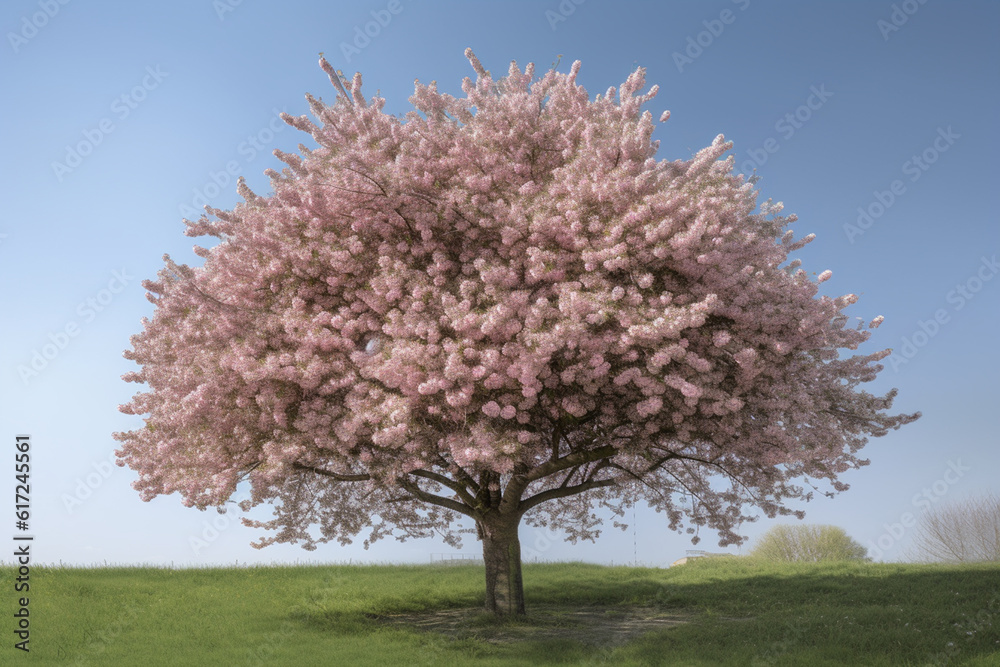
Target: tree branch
column 357, row 192
column 569, row 476
column 556, row 435
column 518, row 483
column 562, row 492
column 364, row 175
column 460, row 472
column 446, row 503
column 570, row 460
column 340, row 477
column 457, row 487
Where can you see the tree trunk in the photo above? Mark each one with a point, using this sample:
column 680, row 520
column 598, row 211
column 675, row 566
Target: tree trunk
column 502, row 554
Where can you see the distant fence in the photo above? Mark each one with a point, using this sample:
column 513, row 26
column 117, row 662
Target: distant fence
column 456, row 559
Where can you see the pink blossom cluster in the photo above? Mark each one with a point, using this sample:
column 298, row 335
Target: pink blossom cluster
column 452, row 304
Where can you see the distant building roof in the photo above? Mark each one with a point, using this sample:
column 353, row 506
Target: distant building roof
column 692, row 554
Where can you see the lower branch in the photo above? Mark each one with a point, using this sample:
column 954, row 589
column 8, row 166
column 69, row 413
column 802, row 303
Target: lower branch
column 446, row 503
column 340, row 477
column 562, row 492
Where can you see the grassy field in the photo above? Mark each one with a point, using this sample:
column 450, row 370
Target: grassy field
column 727, row 611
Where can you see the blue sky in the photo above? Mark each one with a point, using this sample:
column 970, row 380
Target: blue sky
column 873, row 121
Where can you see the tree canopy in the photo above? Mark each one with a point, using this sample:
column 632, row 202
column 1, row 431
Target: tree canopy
column 498, row 306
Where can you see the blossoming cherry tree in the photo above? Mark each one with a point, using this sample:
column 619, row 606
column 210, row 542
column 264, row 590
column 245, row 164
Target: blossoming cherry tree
column 499, row 307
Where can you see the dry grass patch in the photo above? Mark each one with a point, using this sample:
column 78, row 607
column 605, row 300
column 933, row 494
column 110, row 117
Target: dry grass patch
column 600, row 625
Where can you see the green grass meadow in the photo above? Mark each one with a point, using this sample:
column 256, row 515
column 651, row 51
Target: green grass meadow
column 735, row 611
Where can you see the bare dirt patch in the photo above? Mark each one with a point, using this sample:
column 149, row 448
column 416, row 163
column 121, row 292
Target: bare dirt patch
column 598, row 625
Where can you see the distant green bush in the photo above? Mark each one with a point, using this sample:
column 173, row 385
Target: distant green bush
column 808, row 543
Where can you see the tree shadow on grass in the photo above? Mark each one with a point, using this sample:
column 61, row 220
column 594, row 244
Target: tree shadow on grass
column 593, row 625
column 714, row 614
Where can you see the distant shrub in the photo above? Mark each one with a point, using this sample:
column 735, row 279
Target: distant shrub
column 966, row 531
column 809, row 543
